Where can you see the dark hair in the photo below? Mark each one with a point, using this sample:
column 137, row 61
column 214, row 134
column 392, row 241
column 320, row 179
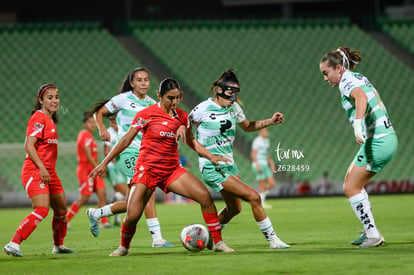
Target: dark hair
column 226, row 78
column 342, row 56
column 168, row 84
column 37, row 105
column 125, row 87
column 86, row 115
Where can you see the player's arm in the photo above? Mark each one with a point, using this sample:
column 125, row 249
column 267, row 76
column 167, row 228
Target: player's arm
column 253, row 155
column 193, row 143
column 98, row 116
column 87, row 149
column 271, row 163
column 120, row 146
column 29, row 147
column 361, row 101
column 250, row 126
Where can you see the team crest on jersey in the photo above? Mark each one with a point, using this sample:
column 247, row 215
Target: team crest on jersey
column 38, row 126
column 140, row 122
column 232, row 113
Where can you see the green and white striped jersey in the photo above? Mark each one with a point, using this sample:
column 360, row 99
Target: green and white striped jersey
column 216, row 128
column 377, row 121
column 262, row 146
column 127, row 105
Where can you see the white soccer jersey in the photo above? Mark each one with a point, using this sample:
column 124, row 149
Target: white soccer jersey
column 377, row 121
column 216, row 128
column 114, row 138
column 262, row 146
column 127, row 105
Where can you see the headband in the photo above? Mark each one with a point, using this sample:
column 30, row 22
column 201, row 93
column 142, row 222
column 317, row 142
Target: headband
column 45, row 88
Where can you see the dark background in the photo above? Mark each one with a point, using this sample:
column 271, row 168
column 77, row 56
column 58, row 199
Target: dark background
column 114, row 14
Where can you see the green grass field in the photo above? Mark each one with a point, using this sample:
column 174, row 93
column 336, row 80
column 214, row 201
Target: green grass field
column 318, row 229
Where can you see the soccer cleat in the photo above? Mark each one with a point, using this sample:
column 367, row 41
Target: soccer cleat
column 372, row 242
column 61, row 249
column 161, row 243
column 120, row 251
column 278, row 244
column 93, row 224
column 9, row 249
column 221, row 246
column 360, row 239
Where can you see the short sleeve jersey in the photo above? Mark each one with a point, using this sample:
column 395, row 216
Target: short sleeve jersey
column 44, row 129
column 216, row 129
column 377, row 120
column 262, row 146
column 159, row 146
column 127, row 105
column 85, row 139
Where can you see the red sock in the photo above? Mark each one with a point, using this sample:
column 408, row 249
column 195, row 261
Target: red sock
column 73, row 210
column 104, row 220
column 29, row 224
column 59, row 226
column 213, row 225
column 127, row 233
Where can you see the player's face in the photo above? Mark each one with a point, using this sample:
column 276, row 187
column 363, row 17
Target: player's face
column 263, row 132
column 230, row 91
column 330, row 74
column 50, row 101
column 140, row 83
column 171, row 99
column 90, row 125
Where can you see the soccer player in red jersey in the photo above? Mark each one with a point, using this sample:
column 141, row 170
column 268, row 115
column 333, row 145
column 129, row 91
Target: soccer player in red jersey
column 158, row 164
column 87, row 160
column 39, row 178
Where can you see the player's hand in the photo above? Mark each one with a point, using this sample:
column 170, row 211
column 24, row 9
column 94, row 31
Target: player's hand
column 104, row 135
column 98, row 171
column 215, row 159
column 44, row 175
column 181, row 134
column 359, row 134
column 277, row 118
column 259, row 169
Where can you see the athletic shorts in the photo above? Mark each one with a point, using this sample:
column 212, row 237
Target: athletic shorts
column 125, row 163
column 87, row 185
column 264, row 174
column 153, row 177
column 33, row 184
column 376, row 153
column 215, row 176
column 114, row 175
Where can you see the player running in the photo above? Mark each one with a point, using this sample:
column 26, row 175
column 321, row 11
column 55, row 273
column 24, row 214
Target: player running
column 158, row 164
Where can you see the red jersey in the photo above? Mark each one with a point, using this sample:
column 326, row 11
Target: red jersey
column 159, row 145
column 85, row 139
column 44, row 129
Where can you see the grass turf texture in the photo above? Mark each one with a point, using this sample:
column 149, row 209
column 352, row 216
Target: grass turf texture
column 318, row 229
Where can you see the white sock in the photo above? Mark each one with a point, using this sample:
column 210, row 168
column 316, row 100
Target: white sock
column 104, row 211
column 154, row 228
column 362, row 209
column 267, row 229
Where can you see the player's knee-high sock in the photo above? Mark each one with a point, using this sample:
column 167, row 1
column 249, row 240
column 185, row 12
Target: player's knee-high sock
column 59, row 226
column 267, row 229
column 154, row 228
column 73, row 210
column 362, row 209
column 213, row 225
column 29, row 224
column 127, row 233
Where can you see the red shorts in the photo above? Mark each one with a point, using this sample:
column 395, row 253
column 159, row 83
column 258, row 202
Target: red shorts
column 153, row 177
column 86, row 185
column 33, row 184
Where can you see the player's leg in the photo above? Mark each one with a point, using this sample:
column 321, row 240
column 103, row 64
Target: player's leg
column 241, row 190
column 59, row 223
column 189, row 186
column 40, row 204
column 76, row 205
column 137, row 200
column 101, row 194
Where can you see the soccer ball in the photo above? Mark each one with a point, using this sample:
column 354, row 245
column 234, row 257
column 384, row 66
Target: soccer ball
column 195, row 237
